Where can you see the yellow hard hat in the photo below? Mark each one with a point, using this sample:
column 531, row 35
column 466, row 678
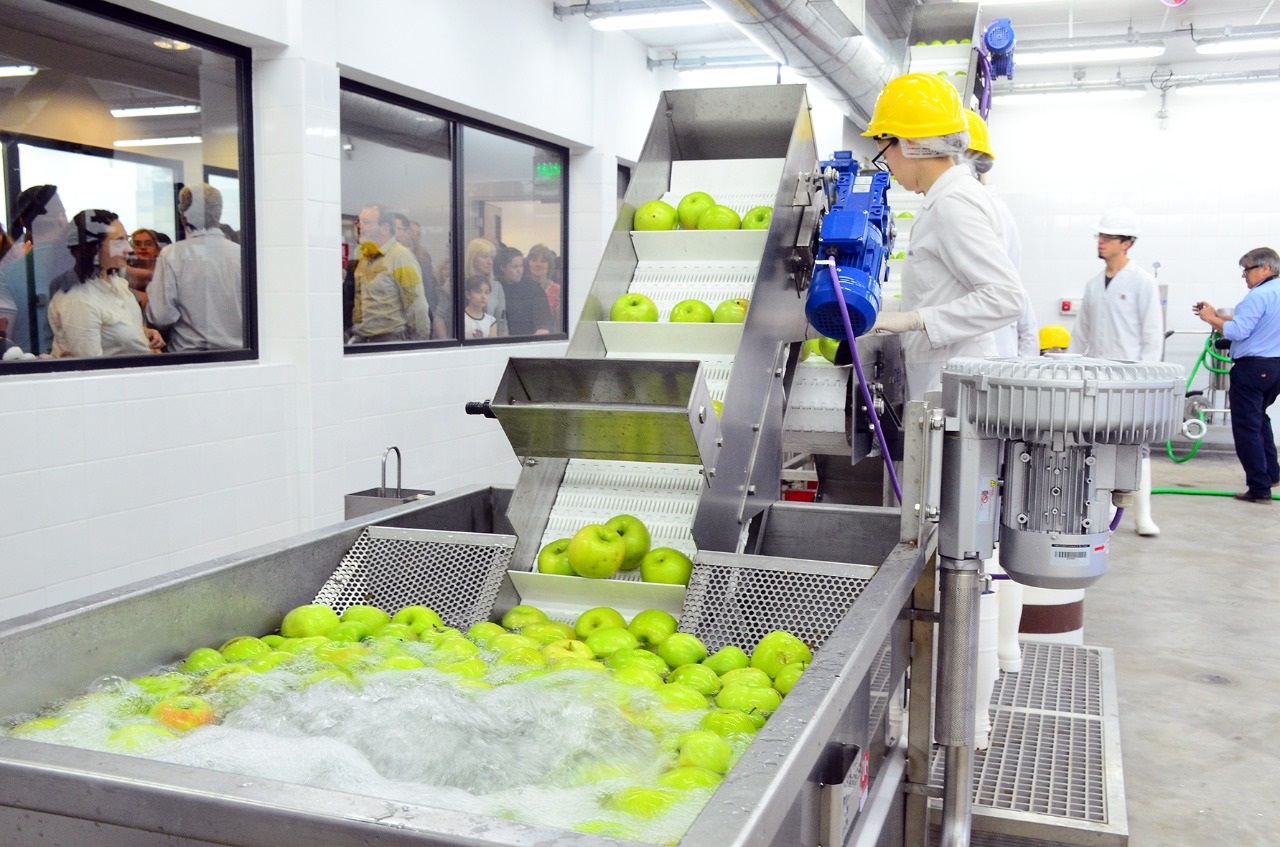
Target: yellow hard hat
column 1054, row 335
column 917, row 106
column 979, row 135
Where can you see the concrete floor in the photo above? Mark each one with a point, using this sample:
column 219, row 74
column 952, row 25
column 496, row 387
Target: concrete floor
column 1192, row 618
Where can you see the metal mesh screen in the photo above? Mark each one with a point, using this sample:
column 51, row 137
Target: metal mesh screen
column 740, row 605
column 1056, row 678
column 457, row 574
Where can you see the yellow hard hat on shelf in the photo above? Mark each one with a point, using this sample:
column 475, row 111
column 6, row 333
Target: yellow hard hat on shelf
column 917, row 106
column 1054, row 335
column 979, row 135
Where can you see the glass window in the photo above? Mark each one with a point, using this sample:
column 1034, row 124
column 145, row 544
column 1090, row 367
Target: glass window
column 401, row 172
column 124, row 154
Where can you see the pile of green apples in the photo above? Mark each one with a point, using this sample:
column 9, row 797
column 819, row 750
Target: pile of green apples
column 622, row 543
column 703, row 708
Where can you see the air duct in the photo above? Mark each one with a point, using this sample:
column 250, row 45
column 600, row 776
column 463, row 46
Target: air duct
column 814, row 40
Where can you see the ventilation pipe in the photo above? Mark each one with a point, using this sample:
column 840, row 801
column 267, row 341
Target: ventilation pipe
column 848, row 67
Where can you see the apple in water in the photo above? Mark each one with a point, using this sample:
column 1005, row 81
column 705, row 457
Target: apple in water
column 567, row 648
column 576, row 663
column 702, row 748
column 691, row 207
column 554, row 558
column 777, row 650
column 183, row 712
column 666, row 564
column 398, row 631
column 311, row 619
column 242, row 648
column 635, row 535
column 680, row 696
column 417, row 618
column 601, row 617
column 643, row 802
column 788, row 677
column 681, row 648
column 633, row 306
column 731, row 311
column 728, row 722
column 756, row 702
column 596, row 552
column 636, row 674
column 544, row 632
column 691, row 311
column 508, row 641
column 700, row 677
column 202, row 659
column 684, row 778
column 655, row 215
column 727, row 658
column 138, row 737
column 349, row 631
column 518, row 617
column 653, row 625
column 719, row 217
column 757, row 217
column 606, row 641
column 483, row 632
column 746, row 676
column 371, row 616
column 636, row 656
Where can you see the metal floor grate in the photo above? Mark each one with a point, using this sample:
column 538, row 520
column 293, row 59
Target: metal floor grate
column 457, row 574
column 1052, row 774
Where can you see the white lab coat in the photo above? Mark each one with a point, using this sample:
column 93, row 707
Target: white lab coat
column 958, row 276
column 1122, row 320
column 1022, row 337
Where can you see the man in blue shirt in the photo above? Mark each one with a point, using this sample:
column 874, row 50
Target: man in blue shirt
column 1254, row 331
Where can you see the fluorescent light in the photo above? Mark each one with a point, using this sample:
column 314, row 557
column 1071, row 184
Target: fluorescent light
column 1088, row 54
column 17, row 70
column 154, row 111
column 1238, row 44
column 158, row 142
column 171, row 44
column 1095, row 95
column 1209, row 89
column 654, row 20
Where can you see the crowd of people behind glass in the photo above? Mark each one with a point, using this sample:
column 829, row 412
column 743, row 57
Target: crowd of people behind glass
column 393, row 291
column 88, row 287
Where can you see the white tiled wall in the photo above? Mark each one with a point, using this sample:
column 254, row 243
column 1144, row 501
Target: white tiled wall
column 111, row 477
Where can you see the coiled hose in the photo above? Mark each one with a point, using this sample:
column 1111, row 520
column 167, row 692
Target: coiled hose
column 1207, row 356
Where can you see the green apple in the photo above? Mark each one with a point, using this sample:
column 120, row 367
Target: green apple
column 472, row 668
column 202, row 659
column 652, row 626
column 262, row 664
column 601, row 617
column 727, row 658
column 36, row 726
column 691, row 207
column 700, row 677
column 681, row 648
column 757, row 217
column 371, row 616
column 435, row 633
column 635, row 535
column 636, row 674
column 523, row 657
column 809, row 348
column 678, row 695
column 788, row 677
column 567, row 648
column 138, row 738
column 341, row 654
column 596, row 551
column 508, row 641
column 731, row 311
column 746, row 676
column 828, row 347
column 718, row 406
column 755, row 701
column 778, row 649
column 518, row 617
column 691, row 311
column 454, row 649
column 643, row 802
column 728, row 722
column 417, row 618
column 554, row 558
column 273, row 640
column 399, row 631
column 702, row 748
column 183, row 712
column 311, row 619
column 576, row 663
column 544, row 632
column 655, row 215
column 666, row 565
column 684, row 778
column 612, row 829
column 606, row 641
column 242, row 648
column 633, row 306
column 483, row 632
column 349, row 631
column 626, row 658
column 719, row 217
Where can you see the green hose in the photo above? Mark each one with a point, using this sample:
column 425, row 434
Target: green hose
column 1200, row 492
column 1207, row 353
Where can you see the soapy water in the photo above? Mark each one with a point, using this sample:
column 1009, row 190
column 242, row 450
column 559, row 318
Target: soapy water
column 553, row 749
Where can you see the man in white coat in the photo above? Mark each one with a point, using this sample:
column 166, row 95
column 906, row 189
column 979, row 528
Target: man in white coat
column 1120, row 318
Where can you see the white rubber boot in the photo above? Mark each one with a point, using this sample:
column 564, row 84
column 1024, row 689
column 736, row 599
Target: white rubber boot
column 988, row 668
column 1142, row 503
column 1009, row 599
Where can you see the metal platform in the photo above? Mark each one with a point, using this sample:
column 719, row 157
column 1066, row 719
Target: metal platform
column 1052, row 775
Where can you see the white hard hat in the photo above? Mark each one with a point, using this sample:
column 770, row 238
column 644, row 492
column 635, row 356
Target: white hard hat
column 1118, row 221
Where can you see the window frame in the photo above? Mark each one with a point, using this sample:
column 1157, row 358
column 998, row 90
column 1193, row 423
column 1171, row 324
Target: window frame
column 243, row 58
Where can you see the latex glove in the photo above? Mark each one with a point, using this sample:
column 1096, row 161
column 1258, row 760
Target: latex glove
column 898, row 322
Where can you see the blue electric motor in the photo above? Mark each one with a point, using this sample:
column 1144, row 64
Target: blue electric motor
column 999, row 40
column 858, row 233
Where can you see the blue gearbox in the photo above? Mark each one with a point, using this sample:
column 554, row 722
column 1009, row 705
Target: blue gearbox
column 858, row 233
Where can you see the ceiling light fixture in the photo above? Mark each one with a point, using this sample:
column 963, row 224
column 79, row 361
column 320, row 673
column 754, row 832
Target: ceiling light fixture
column 171, row 44
column 1236, row 44
column 654, row 20
column 1226, row 89
column 17, row 70
column 1078, row 55
column 154, row 111
column 158, row 142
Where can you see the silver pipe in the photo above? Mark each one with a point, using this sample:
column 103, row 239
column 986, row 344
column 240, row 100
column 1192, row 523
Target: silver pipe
column 881, row 798
column 959, row 588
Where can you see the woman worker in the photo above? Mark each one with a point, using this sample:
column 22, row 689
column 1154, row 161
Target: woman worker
column 958, row 284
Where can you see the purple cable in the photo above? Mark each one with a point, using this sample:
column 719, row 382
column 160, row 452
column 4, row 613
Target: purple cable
column 862, row 382
column 1115, row 522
